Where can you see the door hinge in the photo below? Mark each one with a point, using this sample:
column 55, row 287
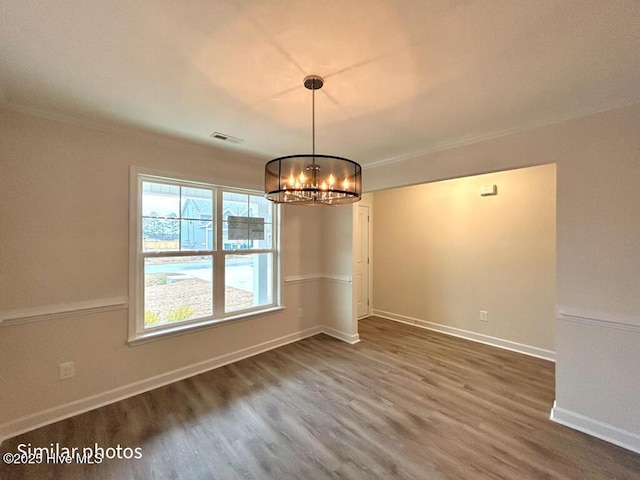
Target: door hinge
column 367, row 260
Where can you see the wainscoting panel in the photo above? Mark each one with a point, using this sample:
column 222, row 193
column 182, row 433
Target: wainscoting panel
column 597, row 380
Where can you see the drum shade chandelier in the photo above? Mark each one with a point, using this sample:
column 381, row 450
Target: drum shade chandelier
column 310, row 179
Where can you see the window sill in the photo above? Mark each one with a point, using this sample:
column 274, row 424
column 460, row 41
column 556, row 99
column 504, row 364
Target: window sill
column 173, row 331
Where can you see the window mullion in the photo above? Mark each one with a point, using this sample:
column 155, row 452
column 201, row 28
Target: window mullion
column 138, row 300
column 248, row 251
column 180, row 219
column 177, row 253
column 219, row 259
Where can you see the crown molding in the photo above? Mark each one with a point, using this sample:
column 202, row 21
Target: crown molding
column 602, row 106
column 133, row 131
column 252, row 158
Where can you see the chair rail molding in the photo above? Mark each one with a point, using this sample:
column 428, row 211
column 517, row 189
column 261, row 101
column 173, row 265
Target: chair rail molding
column 600, row 319
column 312, row 277
column 60, row 310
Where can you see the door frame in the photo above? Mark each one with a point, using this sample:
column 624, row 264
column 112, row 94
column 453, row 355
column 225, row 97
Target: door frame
column 369, row 289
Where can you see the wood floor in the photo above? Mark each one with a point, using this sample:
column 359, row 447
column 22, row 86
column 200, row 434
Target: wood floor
column 404, row 403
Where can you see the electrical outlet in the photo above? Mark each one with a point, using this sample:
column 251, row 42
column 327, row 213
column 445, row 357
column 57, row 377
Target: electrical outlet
column 300, row 312
column 67, row 370
column 484, row 316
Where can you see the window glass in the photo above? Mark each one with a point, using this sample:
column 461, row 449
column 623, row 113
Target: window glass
column 177, row 289
column 248, row 281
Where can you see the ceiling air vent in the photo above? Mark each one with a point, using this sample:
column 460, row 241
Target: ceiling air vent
column 225, row 138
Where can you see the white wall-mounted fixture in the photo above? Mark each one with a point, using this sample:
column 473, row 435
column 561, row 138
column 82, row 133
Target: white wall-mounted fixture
column 487, row 190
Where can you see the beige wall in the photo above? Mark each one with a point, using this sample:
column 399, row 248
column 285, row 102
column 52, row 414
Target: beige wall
column 443, row 253
column 337, row 261
column 64, row 238
column 304, row 234
column 65, row 205
column 598, row 255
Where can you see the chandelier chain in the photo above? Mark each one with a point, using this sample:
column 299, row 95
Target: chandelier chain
column 313, row 123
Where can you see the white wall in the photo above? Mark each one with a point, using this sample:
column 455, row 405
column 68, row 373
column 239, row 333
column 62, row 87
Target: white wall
column 64, row 231
column 598, row 255
column 444, row 253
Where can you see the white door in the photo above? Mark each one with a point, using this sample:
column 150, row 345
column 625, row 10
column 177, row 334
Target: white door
column 362, row 262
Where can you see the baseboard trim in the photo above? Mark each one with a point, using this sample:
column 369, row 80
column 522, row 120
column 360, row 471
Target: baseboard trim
column 345, row 337
column 468, row 335
column 595, row 428
column 46, row 417
column 31, row 422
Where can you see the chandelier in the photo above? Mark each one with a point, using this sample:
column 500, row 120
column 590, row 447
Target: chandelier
column 310, row 179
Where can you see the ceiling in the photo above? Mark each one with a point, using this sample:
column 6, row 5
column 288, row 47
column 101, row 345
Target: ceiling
column 401, row 77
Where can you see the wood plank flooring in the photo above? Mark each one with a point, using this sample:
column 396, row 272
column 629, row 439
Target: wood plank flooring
column 404, row 403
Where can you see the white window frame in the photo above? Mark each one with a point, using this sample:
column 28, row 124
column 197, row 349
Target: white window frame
column 137, row 332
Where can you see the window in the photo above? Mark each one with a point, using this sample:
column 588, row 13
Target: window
column 201, row 254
